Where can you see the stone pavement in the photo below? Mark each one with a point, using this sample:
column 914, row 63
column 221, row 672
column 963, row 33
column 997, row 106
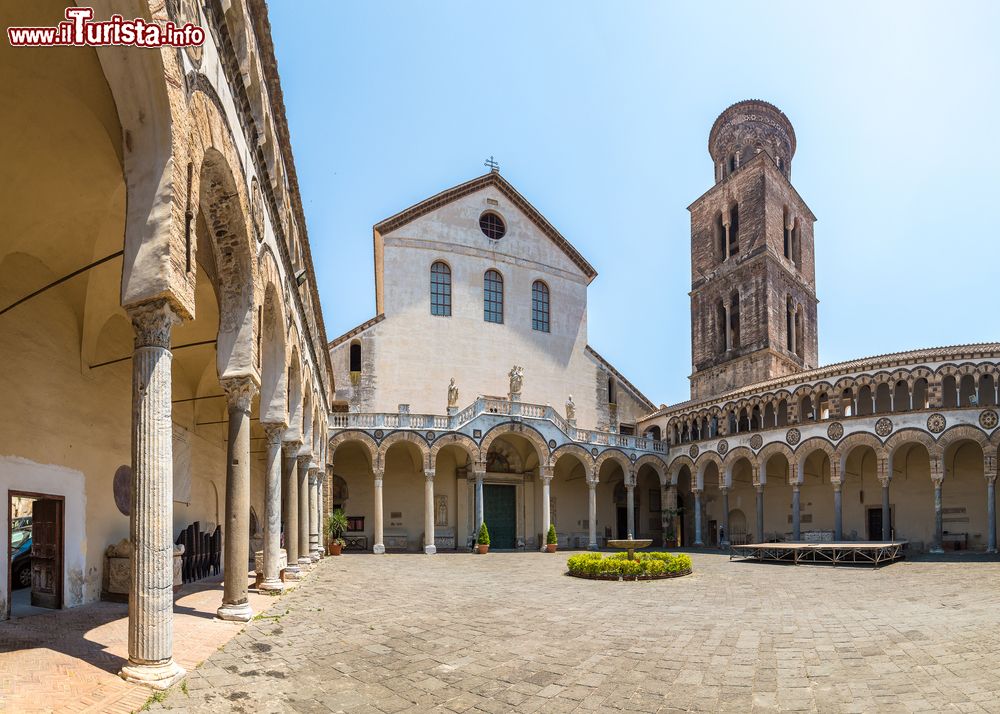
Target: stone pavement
column 509, row 632
column 68, row 660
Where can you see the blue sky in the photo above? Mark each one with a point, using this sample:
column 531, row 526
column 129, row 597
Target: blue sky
column 599, row 114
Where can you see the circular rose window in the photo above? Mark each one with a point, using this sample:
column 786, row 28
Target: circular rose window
column 492, row 225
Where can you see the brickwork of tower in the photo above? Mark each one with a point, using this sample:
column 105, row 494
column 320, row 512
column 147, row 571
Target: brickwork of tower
column 753, row 279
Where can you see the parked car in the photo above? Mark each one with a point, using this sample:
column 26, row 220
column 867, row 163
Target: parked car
column 20, row 558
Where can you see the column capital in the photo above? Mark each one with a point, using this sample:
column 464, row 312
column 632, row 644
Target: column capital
column 291, row 448
column 273, row 431
column 479, row 471
column 240, row 391
column 836, row 483
column 378, row 474
column 629, row 484
column 429, row 474
column 592, row 483
column 759, row 487
column 304, row 460
column 153, row 322
column 884, row 480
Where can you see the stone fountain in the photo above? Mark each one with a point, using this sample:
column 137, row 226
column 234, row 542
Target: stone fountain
column 630, row 544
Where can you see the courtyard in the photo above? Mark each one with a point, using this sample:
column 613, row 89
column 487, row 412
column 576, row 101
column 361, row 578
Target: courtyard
column 510, row 632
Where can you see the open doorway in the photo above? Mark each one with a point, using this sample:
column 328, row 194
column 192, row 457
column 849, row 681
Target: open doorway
column 35, row 563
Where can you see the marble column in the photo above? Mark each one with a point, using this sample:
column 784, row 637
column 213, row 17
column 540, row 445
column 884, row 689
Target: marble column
column 887, row 512
column 936, row 546
column 480, row 475
column 697, row 517
column 236, row 533
column 991, row 513
column 675, row 525
column 305, row 561
column 272, row 509
column 546, row 506
column 314, row 551
column 321, row 511
column 379, row 546
column 429, row 547
column 151, row 597
column 591, row 514
column 724, row 541
column 838, row 512
column 796, row 513
column 630, row 506
column 290, row 482
column 760, row 513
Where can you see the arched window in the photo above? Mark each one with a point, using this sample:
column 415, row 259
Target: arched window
column 540, row 306
column 356, row 357
column 493, row 297
column 441, row 289
column 734, row 229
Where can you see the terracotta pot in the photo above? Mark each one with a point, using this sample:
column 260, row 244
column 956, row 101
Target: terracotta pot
column 550, row 547
column 334, row 548
column 482, row 549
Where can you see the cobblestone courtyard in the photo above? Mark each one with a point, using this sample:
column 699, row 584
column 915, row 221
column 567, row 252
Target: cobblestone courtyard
column 510, row 632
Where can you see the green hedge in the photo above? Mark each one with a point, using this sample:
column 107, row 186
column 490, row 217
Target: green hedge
column 618, row 565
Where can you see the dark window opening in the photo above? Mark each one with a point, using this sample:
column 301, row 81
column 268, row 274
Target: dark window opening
column 734, row 230
column 355, row 356
column 540, row 306
column 734, row 321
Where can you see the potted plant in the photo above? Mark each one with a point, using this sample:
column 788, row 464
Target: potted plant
column 551, row 540
column 483, row 540
column 336, row 526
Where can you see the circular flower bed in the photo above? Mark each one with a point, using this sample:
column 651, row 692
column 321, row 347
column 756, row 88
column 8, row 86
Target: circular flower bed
column 646, row 566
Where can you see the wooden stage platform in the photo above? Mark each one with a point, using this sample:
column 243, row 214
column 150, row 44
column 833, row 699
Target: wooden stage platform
column 837, row 553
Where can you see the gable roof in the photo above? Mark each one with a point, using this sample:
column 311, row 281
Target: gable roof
column 493, row 178
column 621, row 378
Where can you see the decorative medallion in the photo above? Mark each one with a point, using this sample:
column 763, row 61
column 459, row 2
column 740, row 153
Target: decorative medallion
column 988, row 419
column 693, row 451
column 883, row 427
column 257, row 209
column 379, row 433
column 632, row 456
column 723, row 447
column 936, row 423
column 430, row 436
column 477, row 433
column 756, row 441
column 793, row 436
column 594, row 451
column 835, row 430
column 122, row 487
column 552, row 443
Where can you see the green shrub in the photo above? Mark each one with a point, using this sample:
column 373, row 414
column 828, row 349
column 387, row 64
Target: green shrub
column 619, row 565
column 484, row 535
column 550, row 537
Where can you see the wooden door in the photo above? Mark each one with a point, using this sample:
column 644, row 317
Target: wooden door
column 500, row 514
column 46, row 553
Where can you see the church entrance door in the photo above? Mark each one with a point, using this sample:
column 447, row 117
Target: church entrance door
column 500, row 514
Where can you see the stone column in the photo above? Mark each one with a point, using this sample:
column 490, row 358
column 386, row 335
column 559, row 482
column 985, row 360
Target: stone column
column 430, row 548
column 303, row 463
column 236, row 533
column 630, row 505
column 724, row 541
column 379, row 546
column 591, row 514
column 546, row 476
column 290, row 482
column 991, row 515
column 480, row 474
column 697, row 517
column 936, row 546
column 314, row 549
column 760, row 512
column 272, row 509
column 838, row 512
column 796, row 513
column 887, row 513
column 151, row 598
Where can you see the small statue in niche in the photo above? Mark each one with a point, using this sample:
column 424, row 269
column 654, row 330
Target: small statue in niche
column 441, row 511
column 516, row 379
column 452, row 394
column 570, row 409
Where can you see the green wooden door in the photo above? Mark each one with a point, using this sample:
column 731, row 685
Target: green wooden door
column 500, row 514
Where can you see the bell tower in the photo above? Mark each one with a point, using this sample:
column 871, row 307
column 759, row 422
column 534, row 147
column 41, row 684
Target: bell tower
column 753, row 278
